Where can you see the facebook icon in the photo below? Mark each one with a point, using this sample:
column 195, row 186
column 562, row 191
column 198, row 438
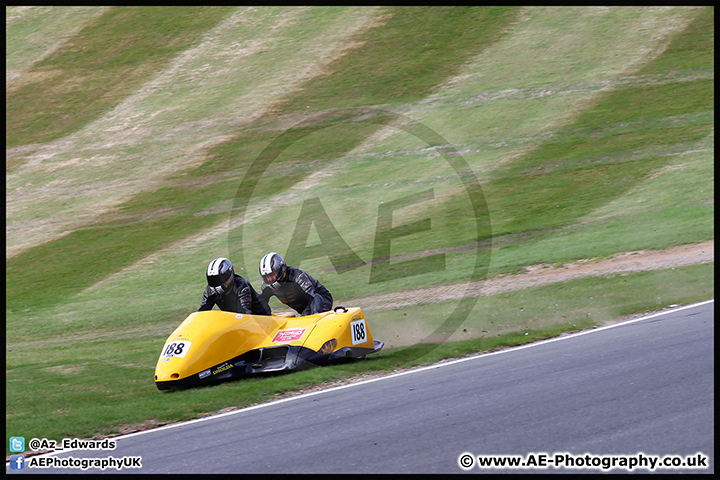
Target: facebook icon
column 17, row 462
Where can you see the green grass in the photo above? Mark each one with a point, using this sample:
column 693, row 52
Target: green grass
column 92, row 72
column 104, row 386
column 395, row 64
column 585, row 171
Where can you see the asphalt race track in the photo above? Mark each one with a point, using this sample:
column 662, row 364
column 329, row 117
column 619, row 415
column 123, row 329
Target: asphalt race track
column 639, row 389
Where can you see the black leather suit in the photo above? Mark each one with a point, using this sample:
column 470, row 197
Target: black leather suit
column 301, row 292
column 242, row 298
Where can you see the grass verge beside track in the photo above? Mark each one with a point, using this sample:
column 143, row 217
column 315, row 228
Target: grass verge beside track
column 69, row 394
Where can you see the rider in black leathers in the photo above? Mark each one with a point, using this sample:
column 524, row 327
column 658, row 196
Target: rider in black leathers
column 230, row 292
column 293, row 287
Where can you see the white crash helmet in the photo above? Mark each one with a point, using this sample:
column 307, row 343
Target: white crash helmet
column 220, row 275
column 273, row 263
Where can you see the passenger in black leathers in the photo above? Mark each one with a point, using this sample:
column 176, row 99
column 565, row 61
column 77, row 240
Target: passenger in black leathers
column 230, row 292
column 293, row 287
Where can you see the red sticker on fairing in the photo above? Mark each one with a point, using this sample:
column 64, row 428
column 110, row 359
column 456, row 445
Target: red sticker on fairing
column 289, row 335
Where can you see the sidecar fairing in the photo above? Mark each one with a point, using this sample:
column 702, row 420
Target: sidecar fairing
column 214, row 345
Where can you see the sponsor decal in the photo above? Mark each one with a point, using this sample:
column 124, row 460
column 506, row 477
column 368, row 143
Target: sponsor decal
column 204, row 373
column 289, row 335
column 222, row 368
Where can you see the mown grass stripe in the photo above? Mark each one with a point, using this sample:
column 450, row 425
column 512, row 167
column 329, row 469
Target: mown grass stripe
column 693, row 47
column 100, row 66
column 33, row 33
column 85, row 256
column 416, row 50
column 554, row 197
column 437, row 27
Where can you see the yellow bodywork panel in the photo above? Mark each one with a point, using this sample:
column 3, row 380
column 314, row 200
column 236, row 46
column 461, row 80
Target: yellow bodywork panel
column 207, row 339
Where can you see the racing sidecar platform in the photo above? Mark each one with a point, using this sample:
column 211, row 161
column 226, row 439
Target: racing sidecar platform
column 214, row 345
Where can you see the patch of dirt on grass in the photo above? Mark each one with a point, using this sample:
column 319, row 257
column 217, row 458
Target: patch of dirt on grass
column 537, row 275
column 66, row 369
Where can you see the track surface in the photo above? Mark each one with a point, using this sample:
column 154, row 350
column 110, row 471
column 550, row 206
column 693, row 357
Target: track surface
column 645, row 385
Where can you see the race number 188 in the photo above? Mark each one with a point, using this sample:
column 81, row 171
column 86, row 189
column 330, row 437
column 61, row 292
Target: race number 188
column 358, row 331
column 176, row 349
